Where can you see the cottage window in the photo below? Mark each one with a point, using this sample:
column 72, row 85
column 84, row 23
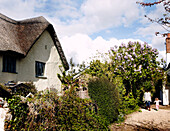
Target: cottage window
column 39, row 68
column 9, row 64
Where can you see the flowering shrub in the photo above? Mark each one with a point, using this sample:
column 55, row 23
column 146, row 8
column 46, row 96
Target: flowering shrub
column 136, row 64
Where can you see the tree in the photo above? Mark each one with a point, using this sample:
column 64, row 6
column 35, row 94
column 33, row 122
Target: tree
column 69, row 78
column 164, row 20
column 135, row 63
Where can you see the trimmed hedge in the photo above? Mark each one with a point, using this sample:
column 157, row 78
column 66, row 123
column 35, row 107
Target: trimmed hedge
column 106, row 96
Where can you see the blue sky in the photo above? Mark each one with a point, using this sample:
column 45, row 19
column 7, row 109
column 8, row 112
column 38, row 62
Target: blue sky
column 84, row 26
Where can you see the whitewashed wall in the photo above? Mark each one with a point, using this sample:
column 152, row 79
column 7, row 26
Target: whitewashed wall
column 45, row 51
column 168, row 58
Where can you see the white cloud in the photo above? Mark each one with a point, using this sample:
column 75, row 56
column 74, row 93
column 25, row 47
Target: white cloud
column 158, row 42
column 72, row 17
column 149, row 30
column 81, row 47
column 18, row 9
column 95, row 15
column 109, row 12
column 158, row 12
column 148, row 33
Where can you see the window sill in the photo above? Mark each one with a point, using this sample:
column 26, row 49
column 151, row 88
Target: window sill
column 10, row 72
column 41, row 77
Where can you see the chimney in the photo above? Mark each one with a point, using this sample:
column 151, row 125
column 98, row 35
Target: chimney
column 168, row 49
column 168, row 43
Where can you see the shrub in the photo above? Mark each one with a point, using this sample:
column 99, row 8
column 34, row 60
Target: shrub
column 74, row 114
column 128, row 104
column 24, row 89
column 106, row 96
column 48, row 111
column 18, row 110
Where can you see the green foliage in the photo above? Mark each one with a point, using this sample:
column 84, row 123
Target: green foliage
column 48, row 111
column 106, row 96
column 18, row 110
column 128, row 104
column 25, row 88
column 74, row 114
column 69, row 78
column 135, row 63
column 133, row 68
column 42, row 111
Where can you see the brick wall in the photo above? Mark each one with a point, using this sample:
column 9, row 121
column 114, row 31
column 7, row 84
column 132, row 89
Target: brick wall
column 168, row 43
column 168, row 49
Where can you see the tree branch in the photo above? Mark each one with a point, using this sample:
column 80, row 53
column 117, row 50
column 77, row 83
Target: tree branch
column 150, row 4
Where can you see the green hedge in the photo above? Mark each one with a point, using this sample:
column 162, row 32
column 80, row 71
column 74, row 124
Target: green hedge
column 106, row 96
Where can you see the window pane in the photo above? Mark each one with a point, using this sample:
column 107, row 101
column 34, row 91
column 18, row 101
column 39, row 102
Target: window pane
column 39, row 68
column 9, row 64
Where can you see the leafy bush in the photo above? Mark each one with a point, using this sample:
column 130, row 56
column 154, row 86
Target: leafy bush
column 128, row 104
column 106, row 96
column 24, row 89
column 18, row 110
column 42, row 110
column 48, row 111
column 75, row 114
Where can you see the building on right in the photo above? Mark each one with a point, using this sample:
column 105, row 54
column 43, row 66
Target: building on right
column 168, row 50
column 166, row 87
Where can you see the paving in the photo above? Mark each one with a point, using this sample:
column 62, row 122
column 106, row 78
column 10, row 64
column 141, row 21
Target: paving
column 145, row 120
column 152, row 119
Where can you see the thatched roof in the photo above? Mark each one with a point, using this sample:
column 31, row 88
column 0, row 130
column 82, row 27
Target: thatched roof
column 20, row 36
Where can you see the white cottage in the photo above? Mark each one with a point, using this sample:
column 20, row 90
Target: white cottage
column 30, row 52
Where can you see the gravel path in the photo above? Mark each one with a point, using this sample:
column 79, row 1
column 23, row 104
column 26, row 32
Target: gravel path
column 146, row 120
column 153, row 118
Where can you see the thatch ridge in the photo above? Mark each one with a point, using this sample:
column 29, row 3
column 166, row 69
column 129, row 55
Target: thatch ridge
column 20, row 36
column 7, row 19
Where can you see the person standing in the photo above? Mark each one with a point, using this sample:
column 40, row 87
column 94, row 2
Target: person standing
column 157, row 103
column 147, row 99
